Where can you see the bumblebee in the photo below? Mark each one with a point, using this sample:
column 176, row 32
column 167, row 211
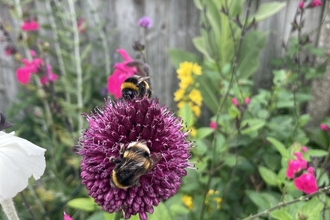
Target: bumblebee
column 135, row 161
column 136, row 86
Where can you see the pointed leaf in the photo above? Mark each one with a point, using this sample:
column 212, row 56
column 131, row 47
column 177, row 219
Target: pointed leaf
column 279, row 146
column 268, row 176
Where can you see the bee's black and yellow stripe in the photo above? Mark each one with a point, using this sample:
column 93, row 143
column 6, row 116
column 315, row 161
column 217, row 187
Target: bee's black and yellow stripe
column 135, row 86
column 135, row 163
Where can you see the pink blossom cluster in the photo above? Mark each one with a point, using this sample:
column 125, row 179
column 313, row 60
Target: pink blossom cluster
column 306, row 182
column 23, row 74
column 30, row 25
column 313, row 4
column 235, row 102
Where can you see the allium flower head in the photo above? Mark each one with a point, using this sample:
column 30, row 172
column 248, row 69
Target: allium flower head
column 123, row 122
column 145, row 22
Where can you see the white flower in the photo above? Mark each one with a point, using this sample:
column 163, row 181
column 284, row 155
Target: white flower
column 19, row 160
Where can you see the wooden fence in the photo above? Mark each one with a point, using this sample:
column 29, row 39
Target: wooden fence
column 175, row 23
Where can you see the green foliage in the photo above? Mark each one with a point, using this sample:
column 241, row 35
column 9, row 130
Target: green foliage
column 246, row 157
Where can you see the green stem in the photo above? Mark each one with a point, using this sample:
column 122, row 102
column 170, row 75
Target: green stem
column 40, row 92
column 9, row 209
column 105, row 44
column 77, row 62
column 283, row 204
column 117, row 216
column 57, row 45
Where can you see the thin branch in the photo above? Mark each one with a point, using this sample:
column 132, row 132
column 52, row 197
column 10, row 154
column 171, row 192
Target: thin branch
column 283, row 204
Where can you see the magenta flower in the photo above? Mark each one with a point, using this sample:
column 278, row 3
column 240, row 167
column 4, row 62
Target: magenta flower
column 9, row 50
column 81, row 25
column 304, row 149
column 306, row 182
column 122, row 122
column 247, row 100
column 145, row 22
column 324, row 127
column 23, row 75
column 49, row 76
column 234, row 102
column 121, row 73
column 301, row 5
column 315, row 3
column 213, row 125
column 66, row 217
column 30, row 25
column 296, row 165
column 33, row 53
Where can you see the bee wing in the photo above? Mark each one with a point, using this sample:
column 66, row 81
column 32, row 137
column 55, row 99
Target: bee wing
column 155, row 158
column 142, row 78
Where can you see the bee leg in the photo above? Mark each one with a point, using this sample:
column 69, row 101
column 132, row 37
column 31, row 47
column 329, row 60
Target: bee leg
column 112, row 159
column 122, row 150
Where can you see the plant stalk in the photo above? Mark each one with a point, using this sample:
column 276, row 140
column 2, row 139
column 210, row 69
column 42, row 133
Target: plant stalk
column 9, row 209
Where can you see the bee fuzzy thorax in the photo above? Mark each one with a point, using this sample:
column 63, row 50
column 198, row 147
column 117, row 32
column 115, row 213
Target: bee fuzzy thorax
column 134, row 162
column 135, row 86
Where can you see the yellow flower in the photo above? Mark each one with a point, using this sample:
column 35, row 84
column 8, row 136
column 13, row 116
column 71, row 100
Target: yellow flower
column 185, row 82
column 215, row 197
column 184, row 70
column 178, row 95
column 188, row 202
column 196, row 97
column 181, row 104
column 196, row 69
column 196, row 110
column 193, row 132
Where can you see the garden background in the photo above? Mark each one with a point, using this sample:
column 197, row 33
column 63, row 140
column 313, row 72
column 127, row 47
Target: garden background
column 174, row 38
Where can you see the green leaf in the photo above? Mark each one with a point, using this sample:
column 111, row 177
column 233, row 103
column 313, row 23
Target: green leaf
column 200, row 44
column 253, row 124
column 268, row 176
column 312, row 208
column 257, row 199
column 281, row 214
column 86, row 51
column 187, row 115
column 268, row 9
column 178, row 56
column 248, row 60
column 203, row 132
column 208, row 93
column 85, row 204
column 160, row 212
column 315, row 153
column 198, row 4
column 279, row 147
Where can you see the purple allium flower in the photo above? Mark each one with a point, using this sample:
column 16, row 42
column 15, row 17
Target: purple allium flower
column 125, row 122
column 145, row 22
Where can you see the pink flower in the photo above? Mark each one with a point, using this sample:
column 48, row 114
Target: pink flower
column 324, row 127
column 234, row 101
column 23, row 75
column 296, row 165
column 247, row 100
column 33, row 65
column 121, row 73
column 304, row 149
column 49, row 76
column 213, row 125
column 315, row 3
column 306, row 182
column 81, row 25
column 10, row 50
column 301, row 4
column 30, row 25
column 33, row 53
column 67, row 217
column 145, row 22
